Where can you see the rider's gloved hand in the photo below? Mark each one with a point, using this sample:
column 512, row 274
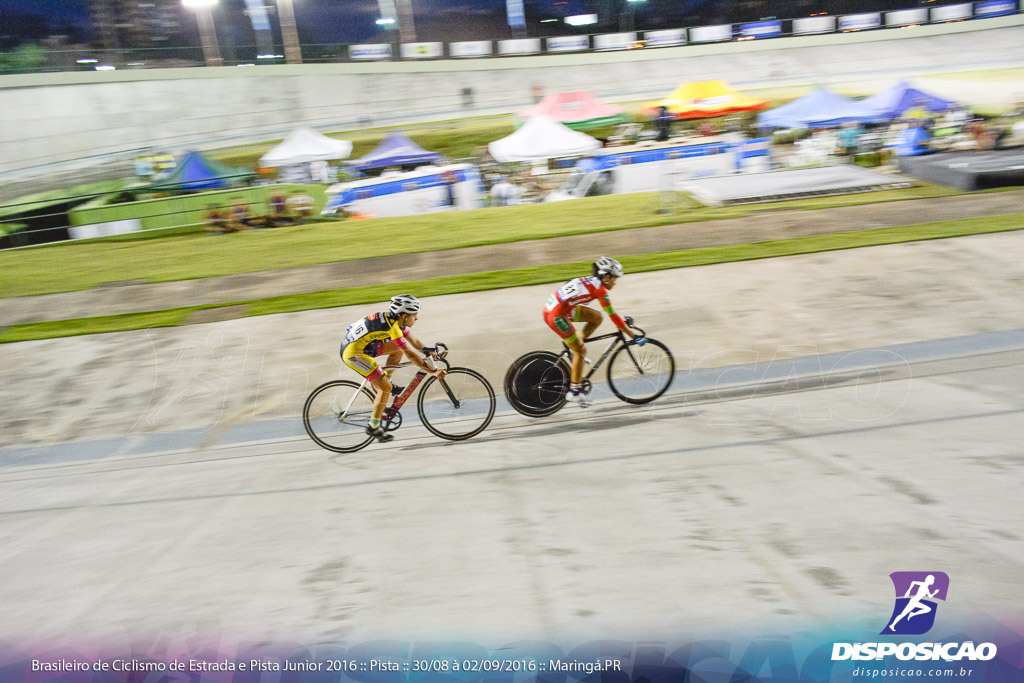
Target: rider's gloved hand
column 640, row 341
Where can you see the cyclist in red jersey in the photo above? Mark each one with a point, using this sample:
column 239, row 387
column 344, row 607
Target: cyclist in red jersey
column 565, row 307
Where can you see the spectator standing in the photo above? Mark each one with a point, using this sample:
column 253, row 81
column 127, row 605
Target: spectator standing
column 449, row 179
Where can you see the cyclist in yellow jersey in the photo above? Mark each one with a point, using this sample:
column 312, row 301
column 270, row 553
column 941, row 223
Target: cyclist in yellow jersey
column 385, row 333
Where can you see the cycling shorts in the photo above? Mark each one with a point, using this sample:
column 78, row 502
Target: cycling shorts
column 562, row 325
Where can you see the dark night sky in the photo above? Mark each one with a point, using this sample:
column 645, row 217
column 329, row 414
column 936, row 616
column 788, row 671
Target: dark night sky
column 346, row 21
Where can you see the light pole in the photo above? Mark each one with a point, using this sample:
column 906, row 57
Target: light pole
column 292, row 51
column 204, row 16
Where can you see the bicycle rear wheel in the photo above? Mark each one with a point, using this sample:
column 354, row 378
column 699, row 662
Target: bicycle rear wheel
column 457, row 407
column 336, row 414
column 640, row 374
column 537, row 383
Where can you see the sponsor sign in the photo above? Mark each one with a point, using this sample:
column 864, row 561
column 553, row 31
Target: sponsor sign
column 568, row 43
column 470, row 48
column 814, row 25
column 711, row 34
column 996, row 8
column 672, row 36
column 614, row 41
column 859, row 22
column 369, row 51
column 422, row 50
column 952, row 12
column 520, row 46
column 907, row 17
column 761, row 29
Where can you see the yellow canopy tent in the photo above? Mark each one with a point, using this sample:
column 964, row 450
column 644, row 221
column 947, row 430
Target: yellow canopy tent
column 704, row 99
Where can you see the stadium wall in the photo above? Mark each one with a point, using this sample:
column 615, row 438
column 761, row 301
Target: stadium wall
column 87, row 117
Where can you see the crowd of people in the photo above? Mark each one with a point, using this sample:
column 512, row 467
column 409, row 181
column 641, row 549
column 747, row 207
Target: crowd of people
column 281, row 210
column 916, row 132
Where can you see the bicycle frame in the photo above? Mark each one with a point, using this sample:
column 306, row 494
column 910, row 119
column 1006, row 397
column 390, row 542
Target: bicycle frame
column 619, row 337
column 396, row 405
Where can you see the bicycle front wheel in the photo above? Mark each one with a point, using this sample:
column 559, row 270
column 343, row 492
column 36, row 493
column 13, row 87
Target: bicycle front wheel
column 336, row 414
column 640, row 374
column 457, row 407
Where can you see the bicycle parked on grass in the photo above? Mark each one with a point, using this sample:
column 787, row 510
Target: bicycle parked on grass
column 457, row 407
column 536, row 384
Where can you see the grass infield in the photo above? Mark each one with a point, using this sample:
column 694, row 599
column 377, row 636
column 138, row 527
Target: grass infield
column 84, row 264
column 474, row 282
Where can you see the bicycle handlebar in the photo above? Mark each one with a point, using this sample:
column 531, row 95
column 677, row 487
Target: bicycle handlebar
column 630, row 324
column 440, row 350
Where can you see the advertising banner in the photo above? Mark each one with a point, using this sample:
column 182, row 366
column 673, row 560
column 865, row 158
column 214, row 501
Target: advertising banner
column 814, row 25
column 422, row 50
column 907, row 17
column 665, row 38
column 711, row 34
column 369, row 52
column 471, row 48
column 761, row 29
column 568, row 43
column 519, row 46
column 614, row 41
column 982, row 653
column 995, row 8
column 860, row 22
column 953, row 12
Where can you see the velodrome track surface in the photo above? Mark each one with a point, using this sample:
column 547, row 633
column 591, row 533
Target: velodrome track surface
column 839, row 416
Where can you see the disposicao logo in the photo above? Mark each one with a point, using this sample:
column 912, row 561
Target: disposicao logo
column 914, row 615
column 916, row 593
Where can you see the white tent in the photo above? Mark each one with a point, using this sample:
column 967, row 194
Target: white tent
column 542, row 138
column 303, row 145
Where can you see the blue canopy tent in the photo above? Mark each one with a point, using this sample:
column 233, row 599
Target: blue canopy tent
column 196, row 172
column 822, row 104
column 396, row 150
column 893, row 102
column 887, row 105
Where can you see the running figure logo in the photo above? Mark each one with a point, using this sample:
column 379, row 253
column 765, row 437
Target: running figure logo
column 916, row 593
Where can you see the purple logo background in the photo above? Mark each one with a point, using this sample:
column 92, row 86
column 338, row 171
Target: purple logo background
column 914, row 611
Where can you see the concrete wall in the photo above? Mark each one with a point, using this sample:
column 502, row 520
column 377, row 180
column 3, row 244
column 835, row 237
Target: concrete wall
column 46, row 119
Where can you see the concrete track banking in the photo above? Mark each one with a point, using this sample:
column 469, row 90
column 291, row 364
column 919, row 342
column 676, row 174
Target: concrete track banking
column 780, row 502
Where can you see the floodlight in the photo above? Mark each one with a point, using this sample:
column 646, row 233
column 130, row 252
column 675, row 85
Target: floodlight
column 581, row 19
column 86, row 61
column 384, row 21
column 199, row 3
column 104, row 67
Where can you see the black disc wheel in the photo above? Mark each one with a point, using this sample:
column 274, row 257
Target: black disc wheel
column 336, row 415
column 537, row 383
column 457, row 407
column 640, row 374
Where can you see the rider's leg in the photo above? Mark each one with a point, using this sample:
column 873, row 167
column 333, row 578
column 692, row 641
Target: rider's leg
column 394, row 357
column 589, row 317
column 579, row 351
column 382, row 386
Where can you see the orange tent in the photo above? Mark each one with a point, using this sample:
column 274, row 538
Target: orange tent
column 704, row 99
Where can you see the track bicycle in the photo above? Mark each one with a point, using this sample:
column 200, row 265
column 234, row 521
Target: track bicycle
column 457, row 407
column 537, row 383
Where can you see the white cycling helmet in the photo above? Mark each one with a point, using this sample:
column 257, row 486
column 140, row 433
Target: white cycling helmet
column 607, row 266
column 404, row 303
